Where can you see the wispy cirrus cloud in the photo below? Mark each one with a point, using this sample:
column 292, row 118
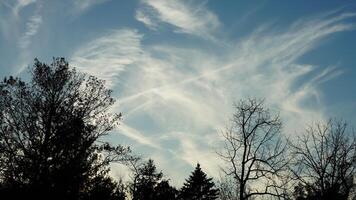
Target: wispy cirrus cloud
column 20, row 4
column 175, row 99
column 81, row 6
column 109, row 55
column 10, row 16
column 186, row 17
column 19, row 28
column 143, row 16
column 22, row 28
column 198, row 99
column 137, row 136
column 32, row 26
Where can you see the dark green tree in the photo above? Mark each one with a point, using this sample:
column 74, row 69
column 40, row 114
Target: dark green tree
column 50, row 129
column 199, row 187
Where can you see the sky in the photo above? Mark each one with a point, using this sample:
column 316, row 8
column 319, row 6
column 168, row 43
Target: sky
column 177, row 66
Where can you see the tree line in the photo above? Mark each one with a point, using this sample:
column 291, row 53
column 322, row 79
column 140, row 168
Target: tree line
column 52, row 147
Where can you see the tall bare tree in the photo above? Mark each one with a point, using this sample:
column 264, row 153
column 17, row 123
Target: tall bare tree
column 254, row 151
column 325, row 161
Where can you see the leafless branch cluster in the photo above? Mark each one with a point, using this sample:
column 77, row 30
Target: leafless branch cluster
column 319, row 164
column 255, row 151
column 325, row 160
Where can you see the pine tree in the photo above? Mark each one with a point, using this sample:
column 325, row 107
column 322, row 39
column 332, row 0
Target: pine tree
column 198, row 187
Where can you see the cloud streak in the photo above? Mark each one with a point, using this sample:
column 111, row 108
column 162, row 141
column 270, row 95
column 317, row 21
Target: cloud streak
column 32, row 27
column 137, row 136
column 20, row 23
column 185, row 16
column 109, row 55
column 175, row 99
column 20, row 4
column 81, row 6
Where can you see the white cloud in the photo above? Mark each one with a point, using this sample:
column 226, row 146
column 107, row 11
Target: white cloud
column 146, row 19
column 84, row 5
column 177, row 98
column 137, row 136
column 20, row 4
column 107, row 56
column 32, row 26
column 185, row 16
column 19, row 28
column 10, row 16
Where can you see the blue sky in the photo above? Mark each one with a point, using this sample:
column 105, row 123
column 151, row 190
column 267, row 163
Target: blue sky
column 176, row 67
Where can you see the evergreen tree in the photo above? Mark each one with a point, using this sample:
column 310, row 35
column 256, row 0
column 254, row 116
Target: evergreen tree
column 199, row 187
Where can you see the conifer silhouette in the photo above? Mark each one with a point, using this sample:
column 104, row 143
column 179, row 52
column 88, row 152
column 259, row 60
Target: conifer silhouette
column 198, row 187
column 149, row 185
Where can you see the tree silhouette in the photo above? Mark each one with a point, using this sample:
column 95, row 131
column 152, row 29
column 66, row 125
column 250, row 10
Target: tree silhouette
column 50, row 129
column 198, row 187
column 325, row 162
column 103, row 187
column 148, row 184
column 254, row 151
column 165, row 192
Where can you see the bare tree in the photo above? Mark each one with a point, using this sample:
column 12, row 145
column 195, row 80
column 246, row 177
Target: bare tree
column 325, row 161
column 227, row 188
column 254, row 151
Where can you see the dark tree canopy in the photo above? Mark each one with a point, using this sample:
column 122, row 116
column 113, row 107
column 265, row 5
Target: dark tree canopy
column 104, row 188
column 198, row 187
column 49, row 133
column 164, row 191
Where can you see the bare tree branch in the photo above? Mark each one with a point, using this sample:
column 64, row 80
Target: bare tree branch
column 254, row 150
